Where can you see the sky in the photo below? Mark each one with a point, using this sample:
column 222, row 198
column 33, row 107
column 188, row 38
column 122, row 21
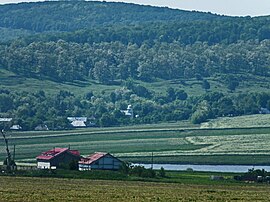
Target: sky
column 224, row 7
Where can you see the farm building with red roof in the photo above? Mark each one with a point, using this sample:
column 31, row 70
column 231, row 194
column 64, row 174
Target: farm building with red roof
column 57, row 157
column 100, row 161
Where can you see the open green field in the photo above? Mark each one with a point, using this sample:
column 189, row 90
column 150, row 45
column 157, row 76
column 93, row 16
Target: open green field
column 52, row 189
column 14, row 82
column 171, row 143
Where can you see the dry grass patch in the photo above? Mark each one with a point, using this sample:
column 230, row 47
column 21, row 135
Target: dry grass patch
column 47, row 189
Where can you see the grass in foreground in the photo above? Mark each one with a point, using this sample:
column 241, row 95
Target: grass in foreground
column 52, row 189
column 183, row 177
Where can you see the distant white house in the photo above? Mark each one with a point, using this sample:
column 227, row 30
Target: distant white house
column 128, row 111
column 16, row 127
column 78, row 121
column 78, row 124
column 5, row 119
column 100, row 161
column 41, row 127
column 84, row 119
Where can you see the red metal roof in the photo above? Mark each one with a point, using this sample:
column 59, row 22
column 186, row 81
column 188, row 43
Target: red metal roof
column 92, row 158
column 75, row 152
column 48, row 155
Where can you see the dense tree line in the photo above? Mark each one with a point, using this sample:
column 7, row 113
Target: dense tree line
column 99, row 21
column 8, row 34
column 108, row 62
column 32, row 109
column 212, row 32
column 75, row 15
column 196, row 45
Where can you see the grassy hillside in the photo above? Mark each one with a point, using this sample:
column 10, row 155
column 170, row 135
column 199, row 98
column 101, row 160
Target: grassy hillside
column 15, row 82
column 193, row 87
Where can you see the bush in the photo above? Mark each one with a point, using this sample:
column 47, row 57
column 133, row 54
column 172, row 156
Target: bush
column 125, row 168
column 141, row 171
column 199, row 117
column 253, row 175
column 162, row 172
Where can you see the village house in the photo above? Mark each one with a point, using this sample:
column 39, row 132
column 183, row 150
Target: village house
column 41, row 127
column 5, row 119
column 16, row 127
column 100, row 161
column 128, row 111
column 78, row 122
column 56, row 157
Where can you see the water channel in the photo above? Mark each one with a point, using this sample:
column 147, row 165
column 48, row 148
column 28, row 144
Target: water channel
column 208, row 168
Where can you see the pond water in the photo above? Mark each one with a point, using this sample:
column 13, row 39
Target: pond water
column 208, row 168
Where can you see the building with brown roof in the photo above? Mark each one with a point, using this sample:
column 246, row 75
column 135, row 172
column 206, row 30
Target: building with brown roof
column 57, row 157
column 100, row 161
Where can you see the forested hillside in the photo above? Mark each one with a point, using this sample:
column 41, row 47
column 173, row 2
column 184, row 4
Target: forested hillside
column 212, row 32
column 75, row 15
column 107, row 62
column 131, row 47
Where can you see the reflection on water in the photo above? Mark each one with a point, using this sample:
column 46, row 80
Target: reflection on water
column 209, row 168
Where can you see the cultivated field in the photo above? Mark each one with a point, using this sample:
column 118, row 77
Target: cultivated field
column 259, row 120
column 50, row 189
column 170, row 143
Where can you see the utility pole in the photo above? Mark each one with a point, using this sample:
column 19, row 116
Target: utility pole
column 152, row 160
column 14, row 146
column 7, row 149
column 8, row 158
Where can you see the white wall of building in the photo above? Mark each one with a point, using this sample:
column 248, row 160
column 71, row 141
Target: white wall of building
column 106, row 163
column 43, row 165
